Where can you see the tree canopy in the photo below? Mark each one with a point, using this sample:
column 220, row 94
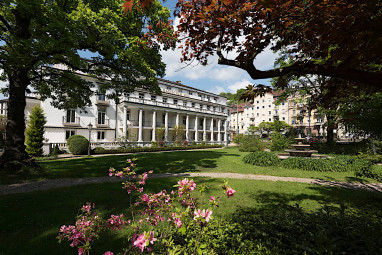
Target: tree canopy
column 334, row 38
column 37, row 34
column 233, row 98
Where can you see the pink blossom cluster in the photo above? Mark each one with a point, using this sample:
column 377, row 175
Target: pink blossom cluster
column 203, row 216
column 116, row 222
column 154, row 206
column 144, row 240
column 230, row 191
column 176, row 219
column 185, row 186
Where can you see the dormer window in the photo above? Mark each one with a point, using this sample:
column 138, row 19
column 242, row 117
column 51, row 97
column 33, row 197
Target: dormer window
column 175, row 101
column 164, row 100
column 153, row 98
column 141, row 96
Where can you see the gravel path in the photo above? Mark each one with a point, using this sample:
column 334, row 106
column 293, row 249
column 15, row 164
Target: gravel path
column 56, row 183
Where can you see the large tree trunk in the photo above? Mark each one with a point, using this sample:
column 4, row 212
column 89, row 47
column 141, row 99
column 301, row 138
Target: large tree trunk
column 14, row 155
column 330, row 129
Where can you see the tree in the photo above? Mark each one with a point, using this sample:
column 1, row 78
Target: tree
column 3, row 124
column 35, row 132
column 343, row 35
column 266, row 126
column 233, row 98
column 178, row 132
column 37, row 34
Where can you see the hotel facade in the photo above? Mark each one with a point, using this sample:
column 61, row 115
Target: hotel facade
column 203, row 115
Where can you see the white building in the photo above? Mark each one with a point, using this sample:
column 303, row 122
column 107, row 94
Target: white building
column 203, row 115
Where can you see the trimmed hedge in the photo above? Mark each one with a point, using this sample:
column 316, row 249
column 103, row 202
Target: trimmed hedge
column 98, row 150
column 78, row 145
column 251, row 143
column 361, row 167
column 262, row 158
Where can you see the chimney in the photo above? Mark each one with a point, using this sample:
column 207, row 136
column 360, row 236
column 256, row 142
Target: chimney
column 179, row 82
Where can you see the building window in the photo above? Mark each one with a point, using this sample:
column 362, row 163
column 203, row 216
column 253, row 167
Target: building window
column 257, row 108
column 270, row 119
column 175, row 101
column 168, row 88
column 101, row 97
column 257, row 114
column 208, row 98
column 193, row 105
column 263, row 106
column 269, row 106
column 101, row 116
column 269, row 113
column 71, row 116
column 282, row 103
column 283, row 118
column 190, row 92
column 263, row 100
column 164, row 100
column 69, row 133
column 153, row 98
column 184, row 103
column 201, row 107
column 257, row 101
column 184, row 120
column 100, row 135
column 141, row 96
column 128, row 115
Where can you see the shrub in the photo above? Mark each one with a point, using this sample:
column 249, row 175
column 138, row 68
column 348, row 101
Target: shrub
column 336, row 164
column 279, row 142
column 73, row 137
column 262, row 158
column 237, row 138
column 185, row 143
column 35, row 132
column 342, row 149
column 78, row 145
column 251, row 143
column 374, row 158
column 99, row 150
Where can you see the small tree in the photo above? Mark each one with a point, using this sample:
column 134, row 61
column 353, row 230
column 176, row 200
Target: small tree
column 35, row 132
column 159, row 134
column 178, row 133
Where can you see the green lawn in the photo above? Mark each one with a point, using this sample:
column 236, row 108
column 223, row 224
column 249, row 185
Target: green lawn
column 227, row 160
column 30, row 222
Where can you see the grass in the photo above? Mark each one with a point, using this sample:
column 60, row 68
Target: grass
column 30, row 221
column 227, row 160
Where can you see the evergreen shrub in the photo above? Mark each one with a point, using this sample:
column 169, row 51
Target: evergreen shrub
column 279, row 142
column 35, row 132
column 262, row 158
column 78, row 145
column 251, row 143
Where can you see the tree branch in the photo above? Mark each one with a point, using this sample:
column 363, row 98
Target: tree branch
column 5, row 22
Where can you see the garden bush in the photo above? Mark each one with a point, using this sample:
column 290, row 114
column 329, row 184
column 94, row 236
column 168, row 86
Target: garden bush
column 78, row 145
column 341, row 149
column 262, row 158
column 237, row 138
column 251, row 143
column 279, row 142
column 335, row 164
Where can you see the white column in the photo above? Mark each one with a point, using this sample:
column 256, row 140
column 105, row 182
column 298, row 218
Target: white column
column 205, row 129
column 154, row 125
column 125, row 121
column 187, row 127
column 225, row 131
column 166, row 127
column 196, row 128
column 140, row 131
column 219, row 134
column 177, row 120
column 212, row 129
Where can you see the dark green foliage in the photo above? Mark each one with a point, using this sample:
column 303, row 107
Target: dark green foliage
column 335, row 164
column 262, row 158
column 292, row 231
column 100, row 150
column 35, row 132
column 78, row 145
column 251, row 143
column 279, row 142
column 336, row 148
column 374, row 159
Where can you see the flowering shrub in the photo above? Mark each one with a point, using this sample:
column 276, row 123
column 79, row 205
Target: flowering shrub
column 179, row 213
column 185, row 143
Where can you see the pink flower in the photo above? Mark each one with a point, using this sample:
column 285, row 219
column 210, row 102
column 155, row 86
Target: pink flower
column 197, row 214
column 140, row 190
column 230, row 192
column 207, row 215
column 108, row 253
column 178, row 222
column 212, row 199
column 140, row 242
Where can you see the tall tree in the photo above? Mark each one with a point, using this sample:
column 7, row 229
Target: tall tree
column 233, row 98
column 38, row 34
column 35, row 132
column 344, row 35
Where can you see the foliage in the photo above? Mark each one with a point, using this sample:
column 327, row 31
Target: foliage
column 262, row 158
column 78, row 145
column 290, row 230
column 337, row 148
column 178, row 132
column 248, row 28
column 35, row 132
column 233, row 98
column 237, row 138
column 266, row 126
column 279, row 142
column 37, row 35
column 56, row 150
column 153, row 149
column 335, row 164
column 159, row 134
column 160, row 220
column 251, row 143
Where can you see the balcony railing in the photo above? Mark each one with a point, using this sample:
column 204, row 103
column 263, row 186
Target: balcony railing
column 73, row 122
column 102, row 123
column 172, row 106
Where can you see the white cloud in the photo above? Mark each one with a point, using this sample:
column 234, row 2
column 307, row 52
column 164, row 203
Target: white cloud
column 217, row 90
column 239, row 85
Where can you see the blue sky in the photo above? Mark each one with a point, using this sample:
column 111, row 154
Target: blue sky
column 213, row 77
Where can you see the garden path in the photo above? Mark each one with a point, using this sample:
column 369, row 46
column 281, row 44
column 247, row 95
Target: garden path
column 56, row 183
